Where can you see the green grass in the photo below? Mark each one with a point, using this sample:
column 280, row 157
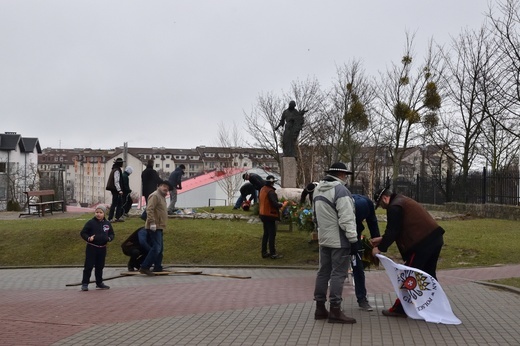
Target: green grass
column 46, row 241
column 514, row 282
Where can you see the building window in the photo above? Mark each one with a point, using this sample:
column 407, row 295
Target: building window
column 167, row 165
column 3, row 167
column 157, row 165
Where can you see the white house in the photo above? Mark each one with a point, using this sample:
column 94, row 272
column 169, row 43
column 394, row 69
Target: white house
column 18, row 167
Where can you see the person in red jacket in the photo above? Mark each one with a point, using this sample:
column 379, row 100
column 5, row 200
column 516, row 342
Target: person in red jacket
column 269, row 211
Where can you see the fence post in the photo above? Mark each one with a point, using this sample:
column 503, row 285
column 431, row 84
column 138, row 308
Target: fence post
column 484, row 183
column 417, row 189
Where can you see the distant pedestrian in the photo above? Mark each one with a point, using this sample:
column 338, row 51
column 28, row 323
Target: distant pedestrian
column 416, row 233
column 269, row 211
column 97, row 232
column 149, row 180
column 175, row 180
column 127, row 198
column 336, row 223
column 114, row 185
column 156, row 221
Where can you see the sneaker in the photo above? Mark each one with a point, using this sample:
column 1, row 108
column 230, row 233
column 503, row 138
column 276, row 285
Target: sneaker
column 84, row 287
column 102, row 286
column 171, row 213
column 131, row 269
column 146, row 271
column 390, row 313
column 276, row 256
column 365, row 306
column 266, row 255
column 120, row 220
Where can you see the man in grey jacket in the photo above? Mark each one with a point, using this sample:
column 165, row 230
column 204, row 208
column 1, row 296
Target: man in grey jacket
column 336, row 221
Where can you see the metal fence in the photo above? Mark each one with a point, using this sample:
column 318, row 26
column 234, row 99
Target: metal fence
column 502, row 187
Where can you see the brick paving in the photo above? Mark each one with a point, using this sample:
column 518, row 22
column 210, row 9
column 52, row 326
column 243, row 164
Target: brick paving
column 274, row 307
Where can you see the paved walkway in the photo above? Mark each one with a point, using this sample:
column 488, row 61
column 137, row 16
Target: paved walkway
column 273, row 307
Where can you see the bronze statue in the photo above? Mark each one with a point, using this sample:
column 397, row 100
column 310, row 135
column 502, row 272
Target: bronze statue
column 292, row 120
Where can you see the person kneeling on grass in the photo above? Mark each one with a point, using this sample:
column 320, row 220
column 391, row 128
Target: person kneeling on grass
column 97, row 232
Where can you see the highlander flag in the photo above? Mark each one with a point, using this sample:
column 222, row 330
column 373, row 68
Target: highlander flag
column 421, row 295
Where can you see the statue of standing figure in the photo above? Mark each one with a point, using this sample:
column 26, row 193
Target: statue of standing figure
column 292, row 120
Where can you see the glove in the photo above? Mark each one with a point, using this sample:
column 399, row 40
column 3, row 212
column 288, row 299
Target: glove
column 354, row 248
column 153, row 227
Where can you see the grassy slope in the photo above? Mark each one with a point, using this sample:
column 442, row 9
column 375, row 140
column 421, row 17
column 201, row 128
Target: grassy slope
column 26, row 242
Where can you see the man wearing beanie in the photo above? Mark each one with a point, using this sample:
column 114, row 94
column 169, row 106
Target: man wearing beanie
column 127, row 199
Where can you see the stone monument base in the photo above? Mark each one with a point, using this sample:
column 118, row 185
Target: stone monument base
column 289, row 170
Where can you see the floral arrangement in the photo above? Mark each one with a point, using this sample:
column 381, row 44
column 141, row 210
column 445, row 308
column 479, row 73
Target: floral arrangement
column 366, row 254
column 301, row 216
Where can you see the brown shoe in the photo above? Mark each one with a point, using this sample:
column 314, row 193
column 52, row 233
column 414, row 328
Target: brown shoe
column 390, row 313
column 146, row 271
column 337, row 316
column 321, row 312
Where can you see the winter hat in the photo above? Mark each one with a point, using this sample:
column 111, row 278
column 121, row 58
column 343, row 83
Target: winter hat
column 102, row 207
column 129, row 170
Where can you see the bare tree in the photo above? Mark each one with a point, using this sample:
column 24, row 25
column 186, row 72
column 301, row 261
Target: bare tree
column 409, row 99
column 470, row 89
column 505, row 28
column 229, row 138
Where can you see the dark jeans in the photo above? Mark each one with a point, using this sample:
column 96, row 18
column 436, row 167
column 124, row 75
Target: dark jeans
column 94, row 257
column 155, row 255
column 425, row 258
column 358, row 272
column 127, row 203
column 116, row 206
column 334, row 267
column 269, row 235
column 136, row 258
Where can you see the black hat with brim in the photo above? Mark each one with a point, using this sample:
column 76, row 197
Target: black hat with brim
column 338, row 167
column 377, row 196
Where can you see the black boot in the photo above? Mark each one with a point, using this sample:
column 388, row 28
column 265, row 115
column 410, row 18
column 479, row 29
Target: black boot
column 337, row 316
column 321, row 312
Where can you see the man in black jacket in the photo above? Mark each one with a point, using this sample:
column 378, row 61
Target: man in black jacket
column 175, row 180
column 149, row 179
column 114, row 185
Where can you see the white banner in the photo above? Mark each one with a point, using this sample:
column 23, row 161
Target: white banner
column 421, row 295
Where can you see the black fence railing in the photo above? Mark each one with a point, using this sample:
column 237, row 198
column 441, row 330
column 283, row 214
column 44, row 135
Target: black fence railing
column 502, row 187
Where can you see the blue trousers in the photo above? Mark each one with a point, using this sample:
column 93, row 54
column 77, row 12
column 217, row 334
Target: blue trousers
column 155, row 255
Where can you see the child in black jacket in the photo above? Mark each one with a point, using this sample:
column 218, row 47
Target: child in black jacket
column 97, row 232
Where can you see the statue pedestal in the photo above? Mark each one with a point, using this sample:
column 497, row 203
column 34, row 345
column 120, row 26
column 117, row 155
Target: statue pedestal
column 289, row 172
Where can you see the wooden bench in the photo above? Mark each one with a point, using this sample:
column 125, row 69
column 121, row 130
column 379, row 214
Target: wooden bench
column 45, row 201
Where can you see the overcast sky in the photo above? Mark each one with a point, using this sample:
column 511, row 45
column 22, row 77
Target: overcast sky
column 166, row 73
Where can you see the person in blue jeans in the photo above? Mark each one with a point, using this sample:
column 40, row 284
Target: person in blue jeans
column 156, row 220
column 247, row 189
column 365, row 211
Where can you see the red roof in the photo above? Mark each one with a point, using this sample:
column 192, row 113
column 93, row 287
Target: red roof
column 208, row 178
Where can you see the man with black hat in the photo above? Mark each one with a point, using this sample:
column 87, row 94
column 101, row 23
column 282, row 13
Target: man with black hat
column 246, row 190
column 114, row 185
column 269, row 211
column 416, row 233
column 337, row 237
column 308, row 191
column 156, row 220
